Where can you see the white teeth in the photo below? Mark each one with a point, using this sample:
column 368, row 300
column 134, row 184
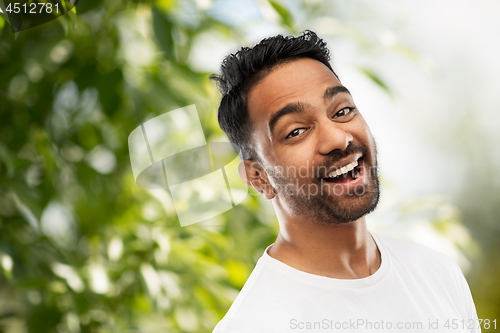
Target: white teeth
column 343, row 170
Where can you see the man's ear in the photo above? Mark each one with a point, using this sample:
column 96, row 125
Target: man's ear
column 253, row 174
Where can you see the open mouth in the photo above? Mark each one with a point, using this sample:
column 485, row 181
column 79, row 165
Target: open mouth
column 345, row 174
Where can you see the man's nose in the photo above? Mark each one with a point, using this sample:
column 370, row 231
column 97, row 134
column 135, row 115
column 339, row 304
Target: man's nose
column 332, row 136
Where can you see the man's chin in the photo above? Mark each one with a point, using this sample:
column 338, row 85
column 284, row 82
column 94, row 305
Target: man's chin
column 346, row 205
column 353, row 211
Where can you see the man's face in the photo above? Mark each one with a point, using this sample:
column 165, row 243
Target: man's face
column 306, row 127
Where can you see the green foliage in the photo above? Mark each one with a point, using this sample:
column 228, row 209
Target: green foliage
column 82, row 247
column 376, row 79
column 285, row 15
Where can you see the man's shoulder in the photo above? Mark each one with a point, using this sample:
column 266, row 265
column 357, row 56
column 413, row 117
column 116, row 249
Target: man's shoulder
column 420, row 265
column 417, row 255
column 258, row 299
column 411, row 248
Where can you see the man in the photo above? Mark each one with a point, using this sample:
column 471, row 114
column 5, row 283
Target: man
column 307, row 148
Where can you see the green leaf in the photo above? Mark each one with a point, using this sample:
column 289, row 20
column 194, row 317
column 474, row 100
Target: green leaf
column 376, row 79
column 284, row 13
column 163, row 31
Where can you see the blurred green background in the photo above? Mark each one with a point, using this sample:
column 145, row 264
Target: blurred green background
column 84, row 249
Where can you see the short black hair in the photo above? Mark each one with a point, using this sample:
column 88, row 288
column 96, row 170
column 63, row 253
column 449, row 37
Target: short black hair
column 240, row 71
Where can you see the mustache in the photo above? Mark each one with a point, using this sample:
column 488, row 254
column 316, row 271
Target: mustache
column 336, row 155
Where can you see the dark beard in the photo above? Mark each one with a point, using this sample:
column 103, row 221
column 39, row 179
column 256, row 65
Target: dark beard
column 328, row 208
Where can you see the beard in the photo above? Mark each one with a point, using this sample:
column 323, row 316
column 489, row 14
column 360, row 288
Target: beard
column 323, row 206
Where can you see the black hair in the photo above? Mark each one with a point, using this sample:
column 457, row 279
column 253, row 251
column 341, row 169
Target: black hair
column 242, row 70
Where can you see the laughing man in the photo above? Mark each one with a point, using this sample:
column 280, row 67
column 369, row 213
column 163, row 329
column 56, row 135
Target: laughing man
column 307, row 148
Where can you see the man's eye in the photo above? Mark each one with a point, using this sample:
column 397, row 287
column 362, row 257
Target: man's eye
column 343, row 112
column 295, row 132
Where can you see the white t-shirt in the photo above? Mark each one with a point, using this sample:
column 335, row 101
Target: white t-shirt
column 416, row 289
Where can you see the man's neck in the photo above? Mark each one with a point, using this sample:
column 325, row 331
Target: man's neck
column 343, row 251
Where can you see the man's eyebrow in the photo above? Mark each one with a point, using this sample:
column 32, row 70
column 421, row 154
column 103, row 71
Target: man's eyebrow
column 296, row 107
column 332, row 91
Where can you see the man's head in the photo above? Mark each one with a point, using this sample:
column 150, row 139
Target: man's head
column 244, row 69
column 285, row 109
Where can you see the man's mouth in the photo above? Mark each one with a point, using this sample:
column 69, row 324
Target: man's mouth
column 344, row 174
